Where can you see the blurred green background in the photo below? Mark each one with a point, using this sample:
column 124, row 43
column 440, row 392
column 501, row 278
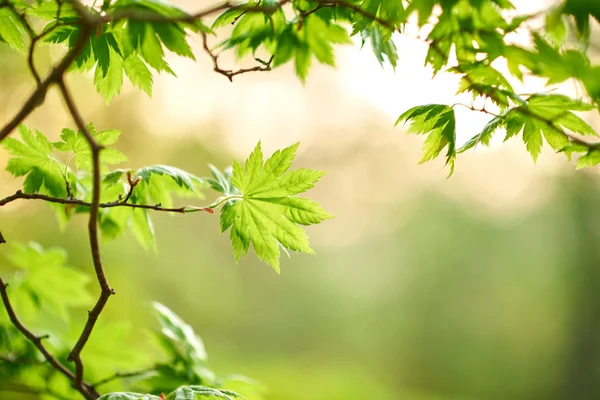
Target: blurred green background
column 483, row 286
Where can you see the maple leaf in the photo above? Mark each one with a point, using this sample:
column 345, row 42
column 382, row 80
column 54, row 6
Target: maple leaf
column 267, row 211
column 76, row 144
column 32, row 156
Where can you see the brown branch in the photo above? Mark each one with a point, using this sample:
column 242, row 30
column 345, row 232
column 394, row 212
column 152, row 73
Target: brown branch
column 39, row 94
column 33, row 37
column 106, row 290
column 266, row 65
column 37, row 196
column 89, row 23
column 132, row 184
column 35, row 100
column 85, row 390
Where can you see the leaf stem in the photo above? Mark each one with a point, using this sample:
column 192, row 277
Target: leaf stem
column 222, row 200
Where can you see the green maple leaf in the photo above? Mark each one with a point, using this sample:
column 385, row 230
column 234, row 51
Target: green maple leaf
column 547, row 116
column 267, row 212
column 77, row 145
column 438, row 122
column 138, row 73
column 12, row 30
column 32, row 156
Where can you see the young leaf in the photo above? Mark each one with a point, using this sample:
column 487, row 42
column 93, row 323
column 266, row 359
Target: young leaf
column 33, row 157
column 590, row 159
column 77, row 145
column 438, row 122
column 221, row 181
column 194, row 392
column 267, row 212
column 547, row 116
column 484, row 136
column 173, row 36
column 109, row 80
column 182, row 336
column 138, row 73
column 12, row 30
column 183, row 178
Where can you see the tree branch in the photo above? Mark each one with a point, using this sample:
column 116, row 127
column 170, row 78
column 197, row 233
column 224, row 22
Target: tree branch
column 265, row 65
column 106, row 290
column 57, row 200
column 84, row 389
column 39, row 94
column 33, row 37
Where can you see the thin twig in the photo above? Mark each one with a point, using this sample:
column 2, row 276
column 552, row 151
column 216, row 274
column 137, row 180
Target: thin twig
column 106, row 290
column 132, row 184
column 472, row 108
column 266, row 65
column 39, row 94
column 33, row 37
column 37, row 196
column 123, row 375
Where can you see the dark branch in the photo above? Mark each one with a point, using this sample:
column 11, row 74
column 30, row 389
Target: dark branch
column 84, row 389
column 124, row 375
column 38, row 96
column 132, row 184
column 106, row 290
column 265, row 65
column 120, row 203
column 33, row 37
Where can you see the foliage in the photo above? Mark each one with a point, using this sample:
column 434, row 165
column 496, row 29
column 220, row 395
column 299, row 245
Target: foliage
column 266, row 212
column 259, row 202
